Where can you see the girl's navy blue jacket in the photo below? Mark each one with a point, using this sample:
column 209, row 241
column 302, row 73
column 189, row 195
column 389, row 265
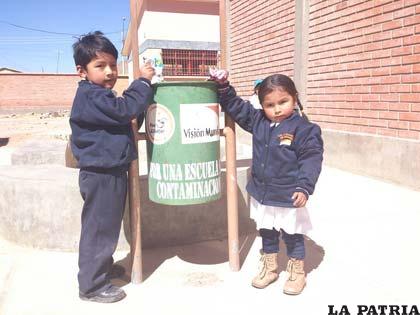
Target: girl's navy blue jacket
column 285, row 158
column 100, row 123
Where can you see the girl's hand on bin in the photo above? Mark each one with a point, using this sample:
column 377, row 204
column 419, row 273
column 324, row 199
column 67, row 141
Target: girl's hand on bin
column 219, row 76
column 299, row 199
column 147, row 71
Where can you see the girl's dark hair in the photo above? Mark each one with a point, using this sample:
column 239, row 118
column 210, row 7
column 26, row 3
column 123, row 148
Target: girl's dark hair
column 278, row 82
column 87, row 47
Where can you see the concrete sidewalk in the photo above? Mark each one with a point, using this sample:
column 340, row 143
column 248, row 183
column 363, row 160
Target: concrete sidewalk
column 363, row 250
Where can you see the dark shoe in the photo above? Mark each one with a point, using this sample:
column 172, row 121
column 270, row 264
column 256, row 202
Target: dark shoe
column 117, row 271
column 110, row 295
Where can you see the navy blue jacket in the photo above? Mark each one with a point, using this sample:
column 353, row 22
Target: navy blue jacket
column 100, row 123
column 285, row 159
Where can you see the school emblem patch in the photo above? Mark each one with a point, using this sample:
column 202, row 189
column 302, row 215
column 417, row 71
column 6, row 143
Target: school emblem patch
column 285, row 138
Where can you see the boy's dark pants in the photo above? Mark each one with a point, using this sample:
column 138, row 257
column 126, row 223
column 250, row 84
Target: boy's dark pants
column 104, row 192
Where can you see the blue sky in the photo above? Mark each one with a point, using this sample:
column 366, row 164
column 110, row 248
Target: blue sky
column 33, row 51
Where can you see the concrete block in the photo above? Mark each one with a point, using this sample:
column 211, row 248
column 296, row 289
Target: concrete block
column 36, row 152
column 40, row 206
column 393, row 159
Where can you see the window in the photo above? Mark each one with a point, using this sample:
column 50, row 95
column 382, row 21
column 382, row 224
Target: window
column 180, row 62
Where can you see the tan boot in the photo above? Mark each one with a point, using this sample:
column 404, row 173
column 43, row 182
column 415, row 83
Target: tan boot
column 267, row 272
column 297, row 279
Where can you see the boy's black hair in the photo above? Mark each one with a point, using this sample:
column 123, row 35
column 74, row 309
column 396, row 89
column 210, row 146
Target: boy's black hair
column 87, row 47
column 279, row 82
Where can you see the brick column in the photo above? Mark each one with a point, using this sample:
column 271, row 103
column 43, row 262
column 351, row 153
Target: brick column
column 300, row 69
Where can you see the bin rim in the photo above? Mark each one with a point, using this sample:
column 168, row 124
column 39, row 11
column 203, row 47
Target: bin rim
column 187, row 83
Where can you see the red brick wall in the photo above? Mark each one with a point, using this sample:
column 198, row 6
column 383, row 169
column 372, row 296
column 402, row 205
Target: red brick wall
column 261, row 41
column 364, row 66
column 22, row 90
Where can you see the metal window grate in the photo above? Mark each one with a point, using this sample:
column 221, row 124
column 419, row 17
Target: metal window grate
column 180, row 62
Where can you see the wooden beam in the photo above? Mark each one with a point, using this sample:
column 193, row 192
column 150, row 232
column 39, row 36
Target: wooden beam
column 140, row 7
column 229, row 132
column 185, row 6
column 133, row 173
column 198, row 1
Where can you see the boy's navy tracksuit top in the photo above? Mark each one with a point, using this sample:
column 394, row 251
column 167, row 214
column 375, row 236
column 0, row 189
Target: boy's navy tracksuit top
column 102, row 143
column 100, row 123
column 285, row 158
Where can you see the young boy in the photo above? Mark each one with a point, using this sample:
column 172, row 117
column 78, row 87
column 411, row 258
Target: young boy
column 103, row 146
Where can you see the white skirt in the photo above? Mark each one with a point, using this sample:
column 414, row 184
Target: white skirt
column 291, row 220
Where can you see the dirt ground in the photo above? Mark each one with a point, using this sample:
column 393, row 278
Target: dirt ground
column 16, row 128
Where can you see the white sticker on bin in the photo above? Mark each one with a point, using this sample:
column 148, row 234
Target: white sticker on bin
column 199, row 123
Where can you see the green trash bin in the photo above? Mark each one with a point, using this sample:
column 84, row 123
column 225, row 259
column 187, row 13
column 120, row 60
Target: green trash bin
column 183, row 143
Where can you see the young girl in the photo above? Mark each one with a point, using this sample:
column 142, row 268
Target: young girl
column 286, row 163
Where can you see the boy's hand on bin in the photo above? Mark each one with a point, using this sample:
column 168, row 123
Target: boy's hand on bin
column 147, row 71
column 299, row 199
column 219, row 76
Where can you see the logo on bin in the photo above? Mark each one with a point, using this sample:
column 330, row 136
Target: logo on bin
column 199, row 123
column 160, row 124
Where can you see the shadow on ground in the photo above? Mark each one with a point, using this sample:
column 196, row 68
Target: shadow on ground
column 211, row 252
column 4, row 142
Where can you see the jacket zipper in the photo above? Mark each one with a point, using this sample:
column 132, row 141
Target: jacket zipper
column 267, row 149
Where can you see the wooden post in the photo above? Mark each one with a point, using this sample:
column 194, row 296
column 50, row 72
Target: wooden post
column 133, row 173
column 231, row 178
